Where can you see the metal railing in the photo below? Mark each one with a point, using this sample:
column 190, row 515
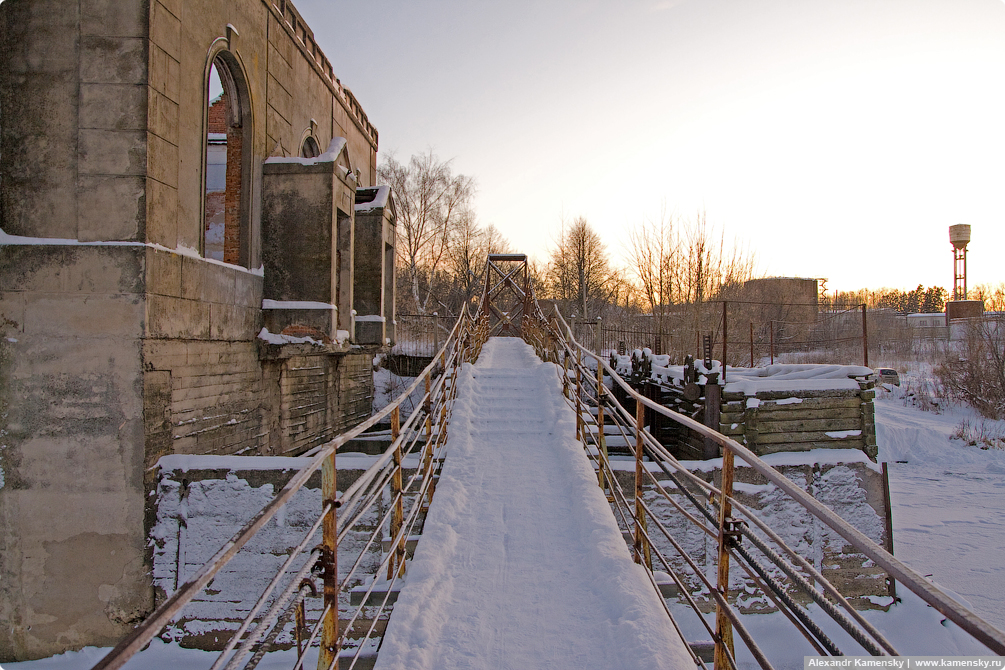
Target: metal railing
column 742, row 538
column 311, row 569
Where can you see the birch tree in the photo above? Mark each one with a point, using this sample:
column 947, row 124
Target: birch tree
column 432, row 203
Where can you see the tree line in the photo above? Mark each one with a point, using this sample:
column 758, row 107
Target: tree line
column 673, row 268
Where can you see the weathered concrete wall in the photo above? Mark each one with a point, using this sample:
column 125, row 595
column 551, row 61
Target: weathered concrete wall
column 373, row 299
column 114, row 355
column 73, row 566
column 74, row 115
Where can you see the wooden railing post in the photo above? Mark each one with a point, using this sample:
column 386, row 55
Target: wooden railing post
column 329, row 563
column 724, row 629
column 398, row 517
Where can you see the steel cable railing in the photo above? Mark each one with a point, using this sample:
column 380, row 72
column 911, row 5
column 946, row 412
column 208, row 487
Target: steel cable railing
column 585, row 390
column 421, row 435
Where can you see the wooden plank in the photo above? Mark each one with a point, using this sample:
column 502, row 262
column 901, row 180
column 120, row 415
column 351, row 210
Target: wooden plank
column 780, row 414
column 847, row 443
column 807, row 436
column 853, row 400
column 779, row 395
column 808, row 425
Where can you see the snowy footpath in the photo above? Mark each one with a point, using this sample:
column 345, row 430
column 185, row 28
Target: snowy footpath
column 521, row 563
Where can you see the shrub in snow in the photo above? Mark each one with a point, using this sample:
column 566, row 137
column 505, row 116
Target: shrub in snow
column 984, row 434
column 975, row 372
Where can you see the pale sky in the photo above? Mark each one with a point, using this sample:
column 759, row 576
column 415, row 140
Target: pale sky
column 836, row 138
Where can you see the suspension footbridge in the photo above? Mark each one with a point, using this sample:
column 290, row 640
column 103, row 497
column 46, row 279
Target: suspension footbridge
column 514, row 542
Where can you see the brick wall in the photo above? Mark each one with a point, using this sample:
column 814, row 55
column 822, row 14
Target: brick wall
column 206, row 397
column 218, row 115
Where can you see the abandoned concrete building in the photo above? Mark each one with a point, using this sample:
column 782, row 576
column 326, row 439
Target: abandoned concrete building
column 194, row 259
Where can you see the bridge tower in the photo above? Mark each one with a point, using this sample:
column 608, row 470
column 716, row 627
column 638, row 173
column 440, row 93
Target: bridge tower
column 507, row 296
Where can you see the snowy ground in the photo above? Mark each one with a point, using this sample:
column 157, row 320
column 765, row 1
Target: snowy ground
column 948, row 502
column 949, row 522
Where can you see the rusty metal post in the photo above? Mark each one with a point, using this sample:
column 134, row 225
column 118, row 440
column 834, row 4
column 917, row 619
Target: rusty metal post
column 579, row 396
column 601, row 439
column 565, row 373
column 751, row 344
column 724, row 629
column 329, row 563
column 891, row 584
column 427, row 465
column 725, row 340
column 398, row 516
column 865, row 339
column 772, row 325
column 640, row 549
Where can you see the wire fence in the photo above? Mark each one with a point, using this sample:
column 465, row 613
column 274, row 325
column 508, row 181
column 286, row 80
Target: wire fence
column 744, row 334
column 420, row 335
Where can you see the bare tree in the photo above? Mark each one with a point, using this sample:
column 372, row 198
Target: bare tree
column 579, row 272
column 681, row 266
column 432, row 204
column 470, row 246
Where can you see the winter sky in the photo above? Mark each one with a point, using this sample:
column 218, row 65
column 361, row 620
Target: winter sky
column 836, row 138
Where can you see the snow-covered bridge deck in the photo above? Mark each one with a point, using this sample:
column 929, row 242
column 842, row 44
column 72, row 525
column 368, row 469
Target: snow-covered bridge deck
column 521, row 563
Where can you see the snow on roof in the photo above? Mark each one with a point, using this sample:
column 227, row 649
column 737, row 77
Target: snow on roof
column 793, row 377
column 379, row 199
column 330, row 155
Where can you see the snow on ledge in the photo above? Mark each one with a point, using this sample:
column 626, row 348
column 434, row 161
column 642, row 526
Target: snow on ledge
column 296, row 304
column 21, row 240
column 371, row 317
column 782, row 458
column 329, row 156
column 274, row 338
column 379, row 200
column 186, row 462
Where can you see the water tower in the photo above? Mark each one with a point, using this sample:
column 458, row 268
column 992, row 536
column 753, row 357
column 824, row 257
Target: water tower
column 959, row 235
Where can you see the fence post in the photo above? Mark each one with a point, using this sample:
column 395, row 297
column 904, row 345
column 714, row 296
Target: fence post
column 329, row 562
column 725, row 340
column 751, row 344
column 865, row 339
column 436, row 332
column 398, row 517
column 724, row 629
column 772, row 325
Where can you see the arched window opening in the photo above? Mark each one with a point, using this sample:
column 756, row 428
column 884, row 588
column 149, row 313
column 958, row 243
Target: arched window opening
column 310, row 148
column 225, row 230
